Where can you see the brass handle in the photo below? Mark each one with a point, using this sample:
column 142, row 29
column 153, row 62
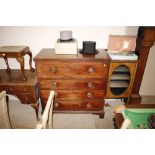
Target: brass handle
column 54, row 85
column 88, row 105
column 53, row 69
column 90, row 70
column 56, row 105
column 90, row 84
column 89, row 95
column 104, row 65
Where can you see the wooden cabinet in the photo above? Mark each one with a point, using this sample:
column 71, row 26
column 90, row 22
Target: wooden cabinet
column 26, row 91
column 79, row 80
column 120, row 79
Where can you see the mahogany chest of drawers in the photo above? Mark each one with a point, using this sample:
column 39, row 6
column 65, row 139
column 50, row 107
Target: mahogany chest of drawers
column 79, row 80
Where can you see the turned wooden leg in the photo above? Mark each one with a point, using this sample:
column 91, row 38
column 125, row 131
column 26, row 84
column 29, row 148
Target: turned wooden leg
column 102, row 115
column 21, row 61
column 30, row 61
column 36, row 108
column 7, row 64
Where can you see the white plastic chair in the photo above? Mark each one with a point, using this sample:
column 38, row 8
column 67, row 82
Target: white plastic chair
column 46, row 121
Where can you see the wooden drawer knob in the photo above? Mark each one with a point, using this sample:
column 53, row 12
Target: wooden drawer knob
column 56, row 105
column 90, row 84
column 88, row 105
column 54, row 85
column 90, row 70
column 89, row 95
column 53, row 70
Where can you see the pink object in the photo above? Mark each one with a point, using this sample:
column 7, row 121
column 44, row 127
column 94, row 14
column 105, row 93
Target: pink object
column 121, row 43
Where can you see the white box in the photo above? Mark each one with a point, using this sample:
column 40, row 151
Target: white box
column 67, row 47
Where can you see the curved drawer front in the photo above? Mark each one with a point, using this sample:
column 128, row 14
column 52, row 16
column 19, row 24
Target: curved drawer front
column 55, row 70
column 12, row 89
column 26, row 98
column 72, row 84
column 78, row 105
column 75, row 94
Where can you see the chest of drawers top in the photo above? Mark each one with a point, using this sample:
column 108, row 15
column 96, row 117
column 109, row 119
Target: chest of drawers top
column 49, row 54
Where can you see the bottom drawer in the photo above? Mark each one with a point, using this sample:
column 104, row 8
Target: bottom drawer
column 76, row 105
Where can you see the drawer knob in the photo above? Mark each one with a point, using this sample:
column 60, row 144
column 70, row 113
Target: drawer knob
column 88, row 105
column 56, row 105
column 89, row 95
column 90, row 70
column 90, row 84
column 104, row 65
column 53, row 69
column 54, row 85
column 10, row 89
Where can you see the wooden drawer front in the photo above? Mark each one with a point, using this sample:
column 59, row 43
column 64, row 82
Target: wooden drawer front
column 75, row 94
column 72, row 84
column 12, row 89
column 78, row 105
column 26, row 98
column 50, row 69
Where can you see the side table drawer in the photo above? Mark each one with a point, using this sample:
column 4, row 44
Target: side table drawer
column 16, row 88
column 26, row 98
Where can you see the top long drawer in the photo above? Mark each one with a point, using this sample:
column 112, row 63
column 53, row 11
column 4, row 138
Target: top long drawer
column 80, row 69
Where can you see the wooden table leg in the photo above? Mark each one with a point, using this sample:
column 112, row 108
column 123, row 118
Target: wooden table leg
column 30, row 61
column 6, row 61
column 21, row 61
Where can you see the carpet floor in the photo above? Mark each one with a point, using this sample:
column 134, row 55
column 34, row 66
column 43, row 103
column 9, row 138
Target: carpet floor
column 23, row 116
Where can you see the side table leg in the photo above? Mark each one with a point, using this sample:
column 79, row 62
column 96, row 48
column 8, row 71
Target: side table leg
column 30, row 61
column 36, row 108
column 6, row 61
column 21, row 61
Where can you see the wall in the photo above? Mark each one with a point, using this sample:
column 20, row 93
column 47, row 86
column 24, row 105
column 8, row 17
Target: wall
column 45, row 37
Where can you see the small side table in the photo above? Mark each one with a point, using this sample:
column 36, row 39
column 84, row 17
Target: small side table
column 17, row 52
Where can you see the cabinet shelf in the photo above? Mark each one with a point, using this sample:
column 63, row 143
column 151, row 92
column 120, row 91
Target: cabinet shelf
column 118, row 84
column 120, row 77
column 122, row 69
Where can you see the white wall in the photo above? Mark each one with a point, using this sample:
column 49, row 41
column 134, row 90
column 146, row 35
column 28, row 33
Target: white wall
column 45, row 37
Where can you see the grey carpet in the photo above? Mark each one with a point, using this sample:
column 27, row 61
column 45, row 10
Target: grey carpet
column 23, row 116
